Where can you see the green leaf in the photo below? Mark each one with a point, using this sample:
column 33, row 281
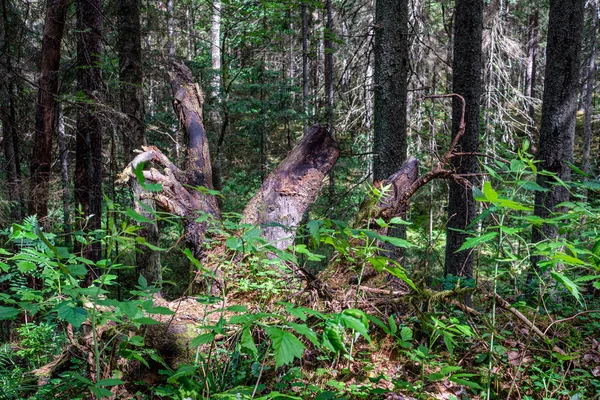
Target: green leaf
column 109, row 382
column 233, row 243
column 247, row 341
column 399, row 221
column 474, row 241
column 73, row 315
column 160, row 311
column 305, row 331
column 139, row 174
column 101, row 392
column 511, row 204
column 393, row 325
column 355, row 324
column 286, row 346
column 534, row 186
column 26, row 266
column 406, row 334
column 237, row 308
column 136, row 216
column 142, row 282
column 333, row 339
column 78, row 270
column 205, row 338
column 4, row 252
column 379, row 323
column 568, row 284
column 465, row 382
column 489, row 192
column 8, row 313
column 314, row 230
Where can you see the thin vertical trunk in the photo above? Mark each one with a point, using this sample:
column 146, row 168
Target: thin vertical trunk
column 190, row 32
column 171, row 29
column 63, row 150
column 531, row 59
column 316, row 62
column 466, row 81
column 215, row 49
column 328, row 42
column 45, row 115
column 88, row 163
column 557, row 132
column 589, row 94
column 305, row 66
column 291, row 65
column 216, row 117
column 264, row 160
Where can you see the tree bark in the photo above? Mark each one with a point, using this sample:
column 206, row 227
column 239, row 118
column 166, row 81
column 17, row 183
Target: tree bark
column 8, row 115
column 557, row 133
column 45, row 115
column 305, row 66
column 63, row 150
column 531, row 69
column 129, row 49
column 88, row 162
column 466, row 81
column 391, row 89
column 391, row 79
column 283, row 198
column 291, row 187
column 589, row 94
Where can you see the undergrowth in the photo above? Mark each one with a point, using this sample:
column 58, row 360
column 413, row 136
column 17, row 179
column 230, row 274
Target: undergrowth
column 277, row 330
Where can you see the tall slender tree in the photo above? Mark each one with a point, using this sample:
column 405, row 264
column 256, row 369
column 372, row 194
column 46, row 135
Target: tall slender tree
column 129, row 48
column 8, row 115
column 391, row 94
column 391, row 84
column 45, row 118
column 589, row 93
column 557, row 133
column 466, row 81
column 88, row 162
column 530, row 73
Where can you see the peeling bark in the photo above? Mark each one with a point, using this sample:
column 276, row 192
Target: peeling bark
column 45, row 121
column 293, row 186
column 284, row 196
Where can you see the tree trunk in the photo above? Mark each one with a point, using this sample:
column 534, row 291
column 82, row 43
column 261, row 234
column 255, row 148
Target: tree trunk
column 63, row 150
column 305, row 66
column 557, row 133
column 129, row 48
column 391, row 88
column 329, row 83
column 88, row 163
column 531, row 70
column 466, row 81
column 45, row 115
column 9, row 126
column 171, row 29
column 589, row 94
column 291, row 187
column 391, row 79
column 284, row 196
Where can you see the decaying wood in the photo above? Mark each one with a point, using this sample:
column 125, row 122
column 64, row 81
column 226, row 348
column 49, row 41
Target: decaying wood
column 279, row 204
column 292, row 187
